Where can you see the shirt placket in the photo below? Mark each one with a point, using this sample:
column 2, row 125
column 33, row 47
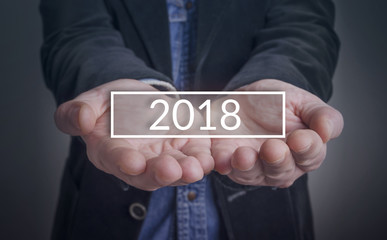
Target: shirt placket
column 191, row 211
column 191, row 222
column 177, row 15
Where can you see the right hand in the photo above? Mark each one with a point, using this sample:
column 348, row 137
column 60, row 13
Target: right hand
column 310, row 124
column 147, row 164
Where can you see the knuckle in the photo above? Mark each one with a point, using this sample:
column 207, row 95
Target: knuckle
column 98, row 92
column 287, row 184
column 207, row 170
column 208, row 166
column 311, row 164
column 280, row 173
column 150, row 189
column 282, row 180
column 142, row 186
column 314, row 167
column 246, row 180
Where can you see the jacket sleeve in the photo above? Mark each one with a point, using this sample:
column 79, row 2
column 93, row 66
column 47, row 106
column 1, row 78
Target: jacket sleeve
column 82, row 49
column 297, row 45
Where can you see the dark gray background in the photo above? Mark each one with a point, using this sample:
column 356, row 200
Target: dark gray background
column 348, row 192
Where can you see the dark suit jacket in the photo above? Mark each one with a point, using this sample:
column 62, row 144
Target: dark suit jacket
column 90, row 42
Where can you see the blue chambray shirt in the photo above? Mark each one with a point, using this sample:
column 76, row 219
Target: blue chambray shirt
column 170, row 211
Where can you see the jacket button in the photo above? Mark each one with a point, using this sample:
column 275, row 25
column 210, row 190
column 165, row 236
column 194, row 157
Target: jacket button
column 188, row 5
column 191, row 195
column 137, row 211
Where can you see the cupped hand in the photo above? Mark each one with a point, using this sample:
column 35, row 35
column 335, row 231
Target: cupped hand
column 147, row 164
column 310, row 124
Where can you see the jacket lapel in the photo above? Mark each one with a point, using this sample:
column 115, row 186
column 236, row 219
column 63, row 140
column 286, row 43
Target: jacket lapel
column 210, row 15
column 151, row 20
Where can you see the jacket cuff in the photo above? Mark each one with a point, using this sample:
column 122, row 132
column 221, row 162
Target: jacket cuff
column 160, row 85
column 226, row 182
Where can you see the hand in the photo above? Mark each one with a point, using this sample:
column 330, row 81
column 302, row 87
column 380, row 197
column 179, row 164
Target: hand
column 310, row 124
column 147, row 164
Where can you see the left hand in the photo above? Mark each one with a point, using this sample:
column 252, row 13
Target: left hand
column 310, row 124
column 147, row 164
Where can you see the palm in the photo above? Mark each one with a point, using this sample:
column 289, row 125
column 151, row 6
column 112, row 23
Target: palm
column 153, row 163
column 260, row 116
column 148, row 147
column 181, row 156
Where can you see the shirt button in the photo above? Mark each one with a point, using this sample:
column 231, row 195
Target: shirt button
column 191, row 195
column 188, row 5
column 137, row 211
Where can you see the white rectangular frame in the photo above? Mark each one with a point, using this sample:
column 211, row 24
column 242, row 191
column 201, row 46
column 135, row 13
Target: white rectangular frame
column 113, row 93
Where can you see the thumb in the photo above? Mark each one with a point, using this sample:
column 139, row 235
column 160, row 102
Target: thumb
column 75, row 118
column 322, row 118
column 78, row 116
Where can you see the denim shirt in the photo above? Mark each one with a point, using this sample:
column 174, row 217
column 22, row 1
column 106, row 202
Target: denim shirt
column 184, row 212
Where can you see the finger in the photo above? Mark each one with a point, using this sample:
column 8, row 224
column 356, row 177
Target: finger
column 160, row 171
column 244, row 159
column 247, row 169
column 278, row 163
column 308, row 149
column 129, row 161
column 325, row 120
column 254, row 177
column 222, row 153
column 78, row 116
column 201, row 150
column 114, row 155
column 192, row 170
column 164, row 169
column 75, row 118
